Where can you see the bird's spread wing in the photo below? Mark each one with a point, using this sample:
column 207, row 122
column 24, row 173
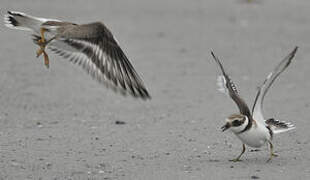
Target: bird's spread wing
column 228, row 87
column 263, row 89
column 94, row 48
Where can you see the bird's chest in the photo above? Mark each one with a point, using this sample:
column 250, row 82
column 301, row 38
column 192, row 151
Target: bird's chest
column 255, row 137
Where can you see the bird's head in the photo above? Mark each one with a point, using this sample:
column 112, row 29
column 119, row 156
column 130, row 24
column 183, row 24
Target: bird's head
column 236, row 123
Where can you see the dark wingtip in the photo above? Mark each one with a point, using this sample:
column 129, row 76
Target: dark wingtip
column 214, row 57
column 212, row 53
column 145, row 95
column 148, row 97
column 291, row 55
column 295, row 50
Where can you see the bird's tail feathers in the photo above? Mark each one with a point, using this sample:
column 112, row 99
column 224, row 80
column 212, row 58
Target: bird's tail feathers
column 278, row 126
column 22, row 21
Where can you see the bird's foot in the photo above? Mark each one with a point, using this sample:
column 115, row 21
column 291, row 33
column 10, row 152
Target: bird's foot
column 41, row 41
column 236, row 160
column 274, row 155
column 41, row 51
column 42, row 44
column 46, row 60
column 271, row 156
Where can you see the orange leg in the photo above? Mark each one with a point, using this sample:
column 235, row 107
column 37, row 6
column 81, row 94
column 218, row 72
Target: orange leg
column 46, row 59
column 42, row 44
column 42, row 31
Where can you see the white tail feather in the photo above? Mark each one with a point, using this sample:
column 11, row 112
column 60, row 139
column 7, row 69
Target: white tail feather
column 22, row 21
column 8, row 22
column 279, row 126
column 277, row 131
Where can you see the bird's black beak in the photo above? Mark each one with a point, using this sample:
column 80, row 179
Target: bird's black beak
column 225, row 127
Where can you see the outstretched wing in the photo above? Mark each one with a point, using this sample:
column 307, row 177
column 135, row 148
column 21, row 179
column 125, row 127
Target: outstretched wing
column 90, row 45
column 228, row 87
column 94, row 48
column 263, row 89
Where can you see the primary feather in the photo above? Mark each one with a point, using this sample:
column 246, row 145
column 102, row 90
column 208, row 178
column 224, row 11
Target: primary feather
column 91, row 46
column 226, row 86
column 257, row 109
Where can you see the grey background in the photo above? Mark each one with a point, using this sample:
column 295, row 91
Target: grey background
column 58, row 123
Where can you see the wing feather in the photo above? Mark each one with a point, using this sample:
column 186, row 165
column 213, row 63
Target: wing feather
column 257, row 109
column 103, row 58
column 226, row 85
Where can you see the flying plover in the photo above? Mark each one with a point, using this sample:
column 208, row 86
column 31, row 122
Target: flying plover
column 251, row 127
column 90, row 45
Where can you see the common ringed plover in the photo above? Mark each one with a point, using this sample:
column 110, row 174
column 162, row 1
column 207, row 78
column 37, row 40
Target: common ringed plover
column 250, row 126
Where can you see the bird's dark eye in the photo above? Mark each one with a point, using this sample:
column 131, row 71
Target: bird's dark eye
column 236, row 123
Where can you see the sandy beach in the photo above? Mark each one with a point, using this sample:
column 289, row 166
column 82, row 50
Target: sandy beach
column 58, row 123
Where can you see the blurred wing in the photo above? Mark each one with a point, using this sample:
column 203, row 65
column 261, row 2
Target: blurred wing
column 94, row 48
column 226, row 86
column 263, row 89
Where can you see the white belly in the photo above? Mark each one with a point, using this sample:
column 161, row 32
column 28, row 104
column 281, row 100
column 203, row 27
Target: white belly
column 256, row 136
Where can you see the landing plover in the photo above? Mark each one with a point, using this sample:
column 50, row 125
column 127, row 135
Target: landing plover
column 92, row 46
column 250, row 126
